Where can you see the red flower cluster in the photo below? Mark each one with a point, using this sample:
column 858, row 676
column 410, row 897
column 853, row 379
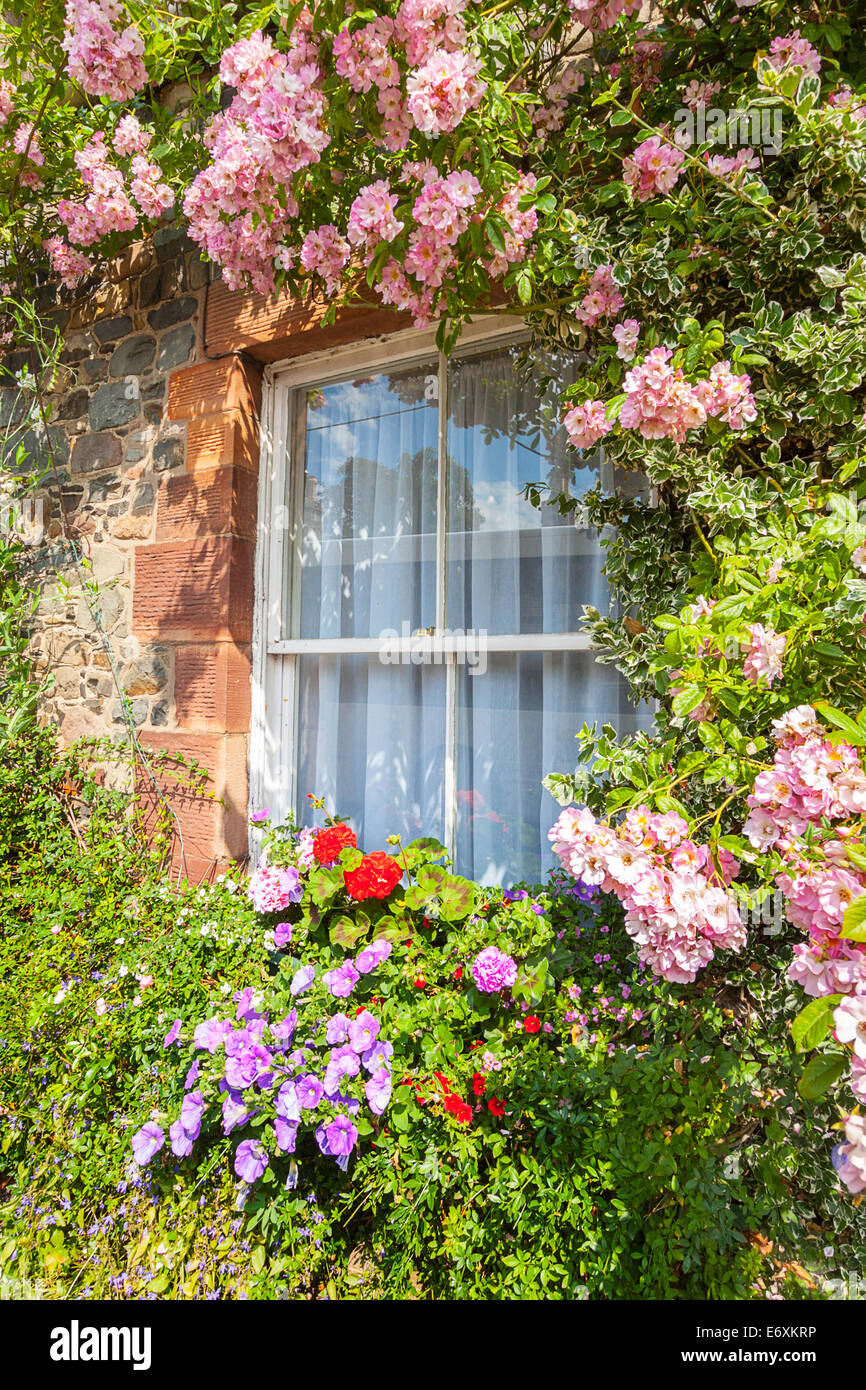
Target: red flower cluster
column 479, row 1084
column 458, row 1108
column 496, row 1106
column 531, row 1023
column 328, row 843
column 375, row 877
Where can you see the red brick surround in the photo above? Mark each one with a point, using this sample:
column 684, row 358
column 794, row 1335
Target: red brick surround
column 193, row 586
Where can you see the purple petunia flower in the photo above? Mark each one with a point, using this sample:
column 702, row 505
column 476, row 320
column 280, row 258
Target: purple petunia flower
column 172, row 1034
column 147, row 1142
column 282, row 934
column 251, row 1160
column 181, row 1141
column 282, row 1031
column 258, row 816
column 337, row 1030
column 288, row 1104
column 309, row 1091
column 372, row 955
column 192, row 1075
column 342, row 981
column 212, row 1034
column 363, row 1031
column 250, row 1066
column 378, row 1090
column 191, row 1112
column 286, row 1133
column 378, row 1055
column 342, row 1136
column 302, row 980
column 343, row 1061
column 234, row 1112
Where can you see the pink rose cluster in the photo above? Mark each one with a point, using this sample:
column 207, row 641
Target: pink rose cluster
column 70, row 265
column 792, row 51
column 603, row 299
column 586, row 424
column 25, row 142
column 104, row 59
column 7, row 100
column 522, row 226
column 551, row 116
column 653, row 167
column 625, row 336
column 677, row 907
column 804, row 808
column 273, row 889
column 239, row 206
column 729, row 166
column 813, row 782
column 849, row 1159
column 130, row 136
column 441, row 212
column 325, row 253
column 662, row 404
column 699, row 94
column 443, row 89
column 599, row 15
column 107, row 207
column 764, row 653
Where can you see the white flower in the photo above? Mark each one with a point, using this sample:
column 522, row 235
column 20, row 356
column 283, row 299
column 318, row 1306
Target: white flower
column 99, row 1007
column 850, row 1021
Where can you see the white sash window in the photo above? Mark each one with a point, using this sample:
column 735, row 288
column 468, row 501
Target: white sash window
column 417, row 659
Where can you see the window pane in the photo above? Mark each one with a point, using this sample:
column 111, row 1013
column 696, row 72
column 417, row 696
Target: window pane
column 371, row 741
column 366, row 558
column 515, row 724
column 513, row 567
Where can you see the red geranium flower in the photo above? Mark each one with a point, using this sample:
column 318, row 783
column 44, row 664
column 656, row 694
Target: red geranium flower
column 479, row 1084
column 375, row 877
column 420, row 982
column 328, row 843
column 458, row 973
column 496, row 1106
column 459, row 1109
column 531, row 1023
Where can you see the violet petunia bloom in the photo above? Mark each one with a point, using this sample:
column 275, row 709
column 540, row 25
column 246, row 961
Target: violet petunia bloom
column 212, row 1034
column 286, row 1134
column 378, row 1055
column 282, row 934
column 309, row 1091
column 342, row 1136
column 246, row 1002
column 282, row 1032
column 181, row 1141
column 172, row 1034
column 147, row 1142
column 251, row 1160
column 322, row 1139
column 251, row 1066
column 234, row 1112
column 363, row 1031
column 372, row 955
column 337, row 1030
column 378, row 1090
column 191, row 1112
column 192, row 1075
column 342, row 981
column 343, row 1061
column 288, row 1105
column 302, row 980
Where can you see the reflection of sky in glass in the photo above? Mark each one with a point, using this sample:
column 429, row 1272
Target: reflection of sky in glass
column 512, row 567
column 368, row 545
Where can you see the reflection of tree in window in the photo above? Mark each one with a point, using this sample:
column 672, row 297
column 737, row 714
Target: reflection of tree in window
column 409, row 490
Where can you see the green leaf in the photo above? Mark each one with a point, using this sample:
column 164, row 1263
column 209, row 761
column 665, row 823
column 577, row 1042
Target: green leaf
column 820, row 1074
column 347, row 930
column 814, row 1022
column 854, row 921
column 853, row 732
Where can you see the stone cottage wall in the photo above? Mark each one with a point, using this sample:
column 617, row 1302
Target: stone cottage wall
column 151, row 474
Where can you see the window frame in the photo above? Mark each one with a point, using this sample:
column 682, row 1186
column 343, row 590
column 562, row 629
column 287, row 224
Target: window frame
column 273, row 734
